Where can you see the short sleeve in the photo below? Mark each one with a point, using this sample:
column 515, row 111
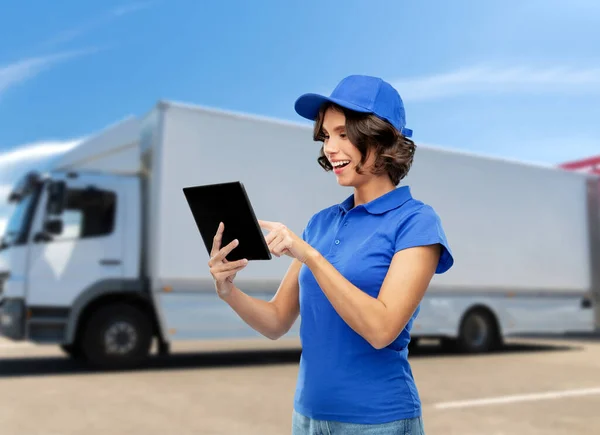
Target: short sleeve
column 305, row 230
column 305, row 233
column 423, row 227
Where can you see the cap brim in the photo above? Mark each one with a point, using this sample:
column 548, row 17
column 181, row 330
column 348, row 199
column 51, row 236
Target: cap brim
column 308, row 105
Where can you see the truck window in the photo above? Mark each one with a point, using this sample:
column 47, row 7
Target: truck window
column 17, row 228
column 87, row 214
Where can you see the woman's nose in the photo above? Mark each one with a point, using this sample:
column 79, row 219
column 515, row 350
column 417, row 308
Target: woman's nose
column 331, row 147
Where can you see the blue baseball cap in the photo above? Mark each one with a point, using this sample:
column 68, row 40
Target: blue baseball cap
column 360, row 93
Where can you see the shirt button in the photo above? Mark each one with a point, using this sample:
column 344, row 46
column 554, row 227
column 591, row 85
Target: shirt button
column 337, row 242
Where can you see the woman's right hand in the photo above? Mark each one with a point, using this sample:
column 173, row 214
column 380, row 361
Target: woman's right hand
column 222, row 271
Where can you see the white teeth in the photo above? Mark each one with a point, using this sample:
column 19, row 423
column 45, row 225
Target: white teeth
column 340, row 163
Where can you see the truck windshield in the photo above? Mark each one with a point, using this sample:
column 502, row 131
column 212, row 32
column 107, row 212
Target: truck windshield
column 17, row 228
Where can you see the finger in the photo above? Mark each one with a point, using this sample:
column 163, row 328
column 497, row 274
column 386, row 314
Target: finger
column 281, row 247
column 267, row 225
column 226, row 267
column 228, row 275
column 217, row 240
column 275, row 245
column 276, row 238
column 221, row 274
column 219, row 257
column 271, row 236
column 225, row 251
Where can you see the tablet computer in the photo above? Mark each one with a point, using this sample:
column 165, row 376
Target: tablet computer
column 227, row 203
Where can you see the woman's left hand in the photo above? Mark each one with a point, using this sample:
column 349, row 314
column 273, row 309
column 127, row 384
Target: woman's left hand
column 281, row 240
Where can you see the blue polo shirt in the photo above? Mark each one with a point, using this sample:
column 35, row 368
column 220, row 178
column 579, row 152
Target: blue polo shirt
column 341, row 376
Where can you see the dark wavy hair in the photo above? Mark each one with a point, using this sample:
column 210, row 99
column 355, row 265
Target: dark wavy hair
column 393, row 151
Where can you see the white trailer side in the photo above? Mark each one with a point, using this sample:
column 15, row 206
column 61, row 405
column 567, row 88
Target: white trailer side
column 525, row 240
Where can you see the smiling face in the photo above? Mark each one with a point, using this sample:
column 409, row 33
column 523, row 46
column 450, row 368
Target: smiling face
column 362, row 150
column 341, row 153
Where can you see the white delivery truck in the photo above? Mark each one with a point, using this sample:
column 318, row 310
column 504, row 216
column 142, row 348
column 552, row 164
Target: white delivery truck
column 102, row 255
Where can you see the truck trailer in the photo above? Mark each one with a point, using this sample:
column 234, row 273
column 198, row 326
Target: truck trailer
column 102, row 256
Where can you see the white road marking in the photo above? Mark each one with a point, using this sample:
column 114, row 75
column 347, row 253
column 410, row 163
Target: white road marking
column 518, row 398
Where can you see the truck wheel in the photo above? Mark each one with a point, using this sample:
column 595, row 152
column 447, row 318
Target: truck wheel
column 117, row 336
column 478, row 332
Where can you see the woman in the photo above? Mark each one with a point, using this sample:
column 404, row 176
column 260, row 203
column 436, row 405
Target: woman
column 359, row 270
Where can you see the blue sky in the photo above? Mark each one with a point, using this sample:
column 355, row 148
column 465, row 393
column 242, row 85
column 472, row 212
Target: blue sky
column 516, row 78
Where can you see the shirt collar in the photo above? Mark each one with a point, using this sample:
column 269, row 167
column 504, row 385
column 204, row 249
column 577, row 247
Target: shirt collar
column 382, row 204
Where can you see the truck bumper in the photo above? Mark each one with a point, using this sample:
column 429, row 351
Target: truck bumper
column 12, row 319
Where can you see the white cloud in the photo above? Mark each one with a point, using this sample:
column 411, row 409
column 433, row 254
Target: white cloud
column 96, row 22
column 15, row 163
column 3, row 223
column 36, row 151
column 133, row 7
column 551, row 150
column 493, row 80
column 4, row 191
column 548, row 152
column 25, row 69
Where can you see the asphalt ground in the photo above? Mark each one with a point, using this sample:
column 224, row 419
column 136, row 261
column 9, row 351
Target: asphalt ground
column 533, row 386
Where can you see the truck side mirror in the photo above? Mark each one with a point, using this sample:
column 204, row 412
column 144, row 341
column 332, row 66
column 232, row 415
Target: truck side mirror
column 56, row 197
column 53, row 226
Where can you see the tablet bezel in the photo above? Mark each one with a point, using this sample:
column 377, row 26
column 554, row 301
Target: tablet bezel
column 246, row 249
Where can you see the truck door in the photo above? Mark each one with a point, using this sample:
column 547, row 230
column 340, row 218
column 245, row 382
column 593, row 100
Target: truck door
column 77, row 246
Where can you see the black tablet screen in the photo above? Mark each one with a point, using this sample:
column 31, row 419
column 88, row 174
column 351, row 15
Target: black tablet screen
column 227, row 203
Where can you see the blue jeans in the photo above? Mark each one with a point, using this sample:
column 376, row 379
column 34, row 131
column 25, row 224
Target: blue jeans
column 302, row 425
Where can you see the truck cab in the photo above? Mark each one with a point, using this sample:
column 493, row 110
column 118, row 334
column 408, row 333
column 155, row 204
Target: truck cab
column 70, row 258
